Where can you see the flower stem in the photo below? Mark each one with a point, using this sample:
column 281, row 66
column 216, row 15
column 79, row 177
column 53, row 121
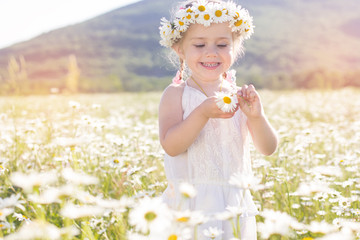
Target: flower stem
column 234, row 228
column 195, row 233
column 238, row 227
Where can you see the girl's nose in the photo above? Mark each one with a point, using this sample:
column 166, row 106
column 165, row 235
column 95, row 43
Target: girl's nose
column 211, row 51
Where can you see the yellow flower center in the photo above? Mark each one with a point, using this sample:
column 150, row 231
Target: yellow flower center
column 150, row 216
column 188, row 16
column 1, row 214
column 307, row 238
column 201, row 8
column 183, row 219
column 189, row 11
column 186, row 195
column 246, row 30
column 218, row 13
column 1, row 226
column 173, row 237
column 238, row 23
column 181, row 23
column 206, row 17
column 116, row 161
column 227, row 100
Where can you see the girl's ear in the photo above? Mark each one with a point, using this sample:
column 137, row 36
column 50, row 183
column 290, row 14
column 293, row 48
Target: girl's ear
column 179, row 51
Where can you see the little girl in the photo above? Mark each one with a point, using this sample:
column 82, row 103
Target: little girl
column 205, row 144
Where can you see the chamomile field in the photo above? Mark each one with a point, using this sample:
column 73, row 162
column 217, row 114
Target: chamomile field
column 91, row 167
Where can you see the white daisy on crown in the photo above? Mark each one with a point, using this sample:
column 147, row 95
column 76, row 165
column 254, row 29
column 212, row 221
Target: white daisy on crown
column 205, row 13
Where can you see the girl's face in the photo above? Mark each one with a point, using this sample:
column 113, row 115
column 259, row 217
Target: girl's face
column 208, row 51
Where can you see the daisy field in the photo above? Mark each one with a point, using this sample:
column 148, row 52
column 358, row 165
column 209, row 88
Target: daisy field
column 91, row 167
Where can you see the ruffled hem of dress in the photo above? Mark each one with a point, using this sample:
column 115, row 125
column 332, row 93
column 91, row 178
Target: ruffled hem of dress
column 211, row 199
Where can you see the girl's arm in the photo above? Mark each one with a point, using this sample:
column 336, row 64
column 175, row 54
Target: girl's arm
column 176, row 134
column 263, row 134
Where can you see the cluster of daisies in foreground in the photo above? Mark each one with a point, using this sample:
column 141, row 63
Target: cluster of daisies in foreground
column 58, row 184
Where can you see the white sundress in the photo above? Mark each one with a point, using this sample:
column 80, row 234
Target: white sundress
column 220, row 150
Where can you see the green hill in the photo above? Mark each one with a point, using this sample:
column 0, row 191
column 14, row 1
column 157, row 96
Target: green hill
column 295, row 43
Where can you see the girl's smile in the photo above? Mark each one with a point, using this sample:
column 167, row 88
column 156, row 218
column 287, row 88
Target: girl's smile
column 210, row 65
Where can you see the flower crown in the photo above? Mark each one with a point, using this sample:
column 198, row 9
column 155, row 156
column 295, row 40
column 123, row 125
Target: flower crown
column 205, row 12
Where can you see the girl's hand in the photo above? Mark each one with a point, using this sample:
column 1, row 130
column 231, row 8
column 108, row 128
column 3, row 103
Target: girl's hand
column 210, row 109
column 249, row 101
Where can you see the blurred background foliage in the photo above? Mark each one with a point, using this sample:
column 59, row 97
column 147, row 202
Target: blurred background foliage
column 297, row 44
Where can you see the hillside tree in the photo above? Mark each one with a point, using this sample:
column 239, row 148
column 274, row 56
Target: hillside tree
column 18, row 78
column 72, row 80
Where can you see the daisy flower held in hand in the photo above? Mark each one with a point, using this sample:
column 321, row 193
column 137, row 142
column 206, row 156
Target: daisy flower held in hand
column 227, row 102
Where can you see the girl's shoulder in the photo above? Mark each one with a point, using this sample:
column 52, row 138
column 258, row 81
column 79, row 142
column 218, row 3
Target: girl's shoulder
column 174, row 90
column 171, row 100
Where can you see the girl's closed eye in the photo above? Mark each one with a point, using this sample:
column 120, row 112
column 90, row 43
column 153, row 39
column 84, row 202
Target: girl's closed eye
column 224, row 45
column 199, row 45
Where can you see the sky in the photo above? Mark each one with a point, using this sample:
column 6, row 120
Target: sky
column 22, row 20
